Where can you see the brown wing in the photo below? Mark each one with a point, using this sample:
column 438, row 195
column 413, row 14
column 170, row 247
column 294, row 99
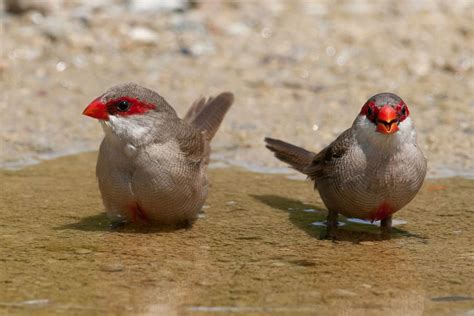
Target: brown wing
column 323, row 163
column 193, row 143
column 207, row 114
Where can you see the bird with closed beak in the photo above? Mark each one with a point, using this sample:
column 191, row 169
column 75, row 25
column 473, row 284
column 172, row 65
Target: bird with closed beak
column 371, row 171
column 152, row 165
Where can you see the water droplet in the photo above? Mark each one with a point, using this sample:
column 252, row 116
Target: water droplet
column 330, row 51
column 341, row 60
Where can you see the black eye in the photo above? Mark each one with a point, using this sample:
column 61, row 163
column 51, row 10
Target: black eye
column 369, row 111
column 404, row 110
column 123, row 105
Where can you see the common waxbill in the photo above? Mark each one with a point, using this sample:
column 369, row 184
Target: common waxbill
column 152, row 164
column 371, row 170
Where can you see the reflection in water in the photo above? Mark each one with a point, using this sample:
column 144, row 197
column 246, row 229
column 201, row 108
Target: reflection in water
column 325, row 223
column 395, row 222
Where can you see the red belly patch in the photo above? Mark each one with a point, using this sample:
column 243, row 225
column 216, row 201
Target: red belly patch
column 137, row 214
column 383, row 211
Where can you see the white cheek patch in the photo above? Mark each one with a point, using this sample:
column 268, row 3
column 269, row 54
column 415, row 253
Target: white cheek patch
column 128, row 128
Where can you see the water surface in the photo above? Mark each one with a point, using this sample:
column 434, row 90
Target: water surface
column 254, row 252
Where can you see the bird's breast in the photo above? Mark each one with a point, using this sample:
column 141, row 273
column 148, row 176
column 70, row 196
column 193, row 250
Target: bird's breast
column 373, row 185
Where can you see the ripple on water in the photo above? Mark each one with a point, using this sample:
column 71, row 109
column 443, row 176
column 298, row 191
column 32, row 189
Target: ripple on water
column 324, row 224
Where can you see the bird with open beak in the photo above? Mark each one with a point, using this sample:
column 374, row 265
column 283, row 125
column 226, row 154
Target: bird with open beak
column 371, row 170
column 152, row 164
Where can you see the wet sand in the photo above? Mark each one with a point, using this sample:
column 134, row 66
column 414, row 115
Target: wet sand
column 254, row 252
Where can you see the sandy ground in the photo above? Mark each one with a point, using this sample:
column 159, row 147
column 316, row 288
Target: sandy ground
column 291, row 65
column 253, row 252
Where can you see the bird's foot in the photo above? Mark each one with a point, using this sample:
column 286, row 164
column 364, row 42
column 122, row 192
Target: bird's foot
column 329, row 233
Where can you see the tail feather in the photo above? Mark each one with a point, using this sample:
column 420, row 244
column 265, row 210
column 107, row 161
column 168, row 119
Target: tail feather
column 207, row 114
column 295, row 156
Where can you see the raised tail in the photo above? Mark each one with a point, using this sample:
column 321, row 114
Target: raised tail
column 295, row 156
column 207, row 114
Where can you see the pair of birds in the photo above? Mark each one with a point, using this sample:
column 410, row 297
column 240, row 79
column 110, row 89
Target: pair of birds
column 152, row 164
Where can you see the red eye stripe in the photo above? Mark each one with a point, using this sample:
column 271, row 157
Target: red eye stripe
column 370, row 110
column 136, row 106
column 402, row 111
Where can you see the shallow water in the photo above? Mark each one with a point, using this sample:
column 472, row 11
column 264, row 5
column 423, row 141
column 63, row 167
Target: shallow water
column 253, row 252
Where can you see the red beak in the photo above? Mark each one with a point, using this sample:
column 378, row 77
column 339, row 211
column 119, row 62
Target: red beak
column 387, row 122
column 97, row 110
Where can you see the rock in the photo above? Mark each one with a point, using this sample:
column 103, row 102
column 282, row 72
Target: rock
column 23, row 6
column 143, row 35
column 159, row 5
column 238, row 29
column 82, row 251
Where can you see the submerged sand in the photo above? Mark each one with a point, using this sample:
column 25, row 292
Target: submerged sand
column 253, row 252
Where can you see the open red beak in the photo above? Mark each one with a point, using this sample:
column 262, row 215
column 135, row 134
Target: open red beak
column 96, row 110
column 387, row 122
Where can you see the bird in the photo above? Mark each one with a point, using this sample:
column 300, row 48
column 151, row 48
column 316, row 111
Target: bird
column 370, row 171
column 152, row 165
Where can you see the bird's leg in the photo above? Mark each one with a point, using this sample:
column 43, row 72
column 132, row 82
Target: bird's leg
column 331, row 225
column 386, row 226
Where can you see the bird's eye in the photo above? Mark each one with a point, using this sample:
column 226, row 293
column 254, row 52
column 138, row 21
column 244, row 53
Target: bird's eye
column 369, row 111
column 404, row 110
column 123, row 105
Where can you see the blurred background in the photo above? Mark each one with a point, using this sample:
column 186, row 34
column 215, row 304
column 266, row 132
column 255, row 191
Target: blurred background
column 300, row 70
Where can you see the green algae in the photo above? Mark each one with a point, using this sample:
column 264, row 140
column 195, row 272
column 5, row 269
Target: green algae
column 254, row 252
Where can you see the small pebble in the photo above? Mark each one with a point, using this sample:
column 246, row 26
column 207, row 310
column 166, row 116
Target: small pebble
column 112, row 267
column 82, row 251
column 35, row 302
column 344, row 293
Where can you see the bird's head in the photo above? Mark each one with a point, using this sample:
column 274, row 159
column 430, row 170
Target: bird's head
column 129, row 99
column 385, row 111
column 132, row 112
